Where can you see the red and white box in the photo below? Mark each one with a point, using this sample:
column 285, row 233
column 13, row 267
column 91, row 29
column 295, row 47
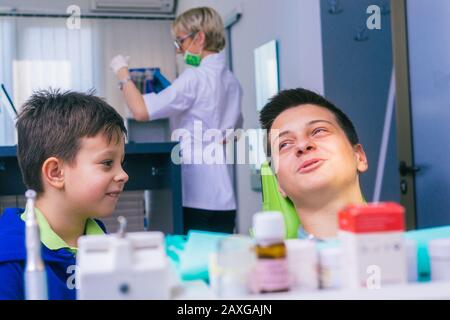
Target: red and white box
column 373, row 252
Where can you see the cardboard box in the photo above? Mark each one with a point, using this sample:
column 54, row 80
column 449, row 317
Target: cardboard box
column 372, row 243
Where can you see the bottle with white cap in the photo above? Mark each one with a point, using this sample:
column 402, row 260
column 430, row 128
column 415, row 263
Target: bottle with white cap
column 330, row 267
column 271, row 271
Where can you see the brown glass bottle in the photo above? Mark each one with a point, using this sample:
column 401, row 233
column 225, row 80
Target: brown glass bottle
column 271, row 273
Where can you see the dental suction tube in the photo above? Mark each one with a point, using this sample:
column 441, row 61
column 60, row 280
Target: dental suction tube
column 35, row 276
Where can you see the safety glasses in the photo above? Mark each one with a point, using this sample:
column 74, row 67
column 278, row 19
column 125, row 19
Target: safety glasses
column 179, row 41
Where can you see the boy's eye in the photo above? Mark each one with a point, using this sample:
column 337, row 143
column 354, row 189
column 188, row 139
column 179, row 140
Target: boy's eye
column 107, row 163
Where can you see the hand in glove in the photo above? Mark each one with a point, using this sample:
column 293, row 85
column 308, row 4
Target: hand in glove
column 119, row 62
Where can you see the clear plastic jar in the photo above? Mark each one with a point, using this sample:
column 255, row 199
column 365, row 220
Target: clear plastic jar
column 330, row 268
column 439, row 252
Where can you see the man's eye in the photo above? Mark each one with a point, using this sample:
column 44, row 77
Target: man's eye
column 283, row 145
column 318, row 130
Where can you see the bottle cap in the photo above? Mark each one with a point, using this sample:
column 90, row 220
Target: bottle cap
column 268, row 225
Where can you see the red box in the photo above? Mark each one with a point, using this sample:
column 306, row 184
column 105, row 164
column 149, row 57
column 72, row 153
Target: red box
column 373, row 217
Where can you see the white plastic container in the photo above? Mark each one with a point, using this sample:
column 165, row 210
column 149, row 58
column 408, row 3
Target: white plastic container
column 411, row 258
column 303, row 264
column 231, row 266
column 330, row 268
column 439, row 251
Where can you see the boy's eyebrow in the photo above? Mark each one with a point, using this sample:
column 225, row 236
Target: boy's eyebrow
column 286, row 132
column 109, row 152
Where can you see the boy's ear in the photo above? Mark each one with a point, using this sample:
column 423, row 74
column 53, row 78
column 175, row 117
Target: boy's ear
column 361, row 159
column 53, row 173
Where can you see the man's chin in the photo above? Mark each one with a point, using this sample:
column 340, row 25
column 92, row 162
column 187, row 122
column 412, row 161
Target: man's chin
column 312, row 189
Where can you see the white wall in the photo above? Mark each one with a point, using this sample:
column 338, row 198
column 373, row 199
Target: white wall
column 47, row 6
column 296, row 26
column 52, row 6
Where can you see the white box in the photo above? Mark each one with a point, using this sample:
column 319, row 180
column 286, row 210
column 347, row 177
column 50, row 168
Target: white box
column 131, row 267
column 372, row 243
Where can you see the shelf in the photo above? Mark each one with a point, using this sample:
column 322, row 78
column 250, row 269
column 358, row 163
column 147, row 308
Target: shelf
column 411, row 291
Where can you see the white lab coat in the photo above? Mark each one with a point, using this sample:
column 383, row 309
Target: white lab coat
column 211, row 94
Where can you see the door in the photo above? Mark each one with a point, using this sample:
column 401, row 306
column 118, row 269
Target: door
column 422, row 57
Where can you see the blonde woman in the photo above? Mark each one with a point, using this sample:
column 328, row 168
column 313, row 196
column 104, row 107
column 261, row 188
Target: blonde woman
column 207, row 96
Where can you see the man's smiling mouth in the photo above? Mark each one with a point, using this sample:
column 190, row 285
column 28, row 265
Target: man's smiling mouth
column 310, row 165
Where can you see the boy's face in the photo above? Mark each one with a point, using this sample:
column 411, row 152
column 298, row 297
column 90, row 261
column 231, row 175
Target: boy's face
column 94, row 181
column 311, row 152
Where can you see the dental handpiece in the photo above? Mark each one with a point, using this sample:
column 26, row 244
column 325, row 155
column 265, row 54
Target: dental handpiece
column 35, row 275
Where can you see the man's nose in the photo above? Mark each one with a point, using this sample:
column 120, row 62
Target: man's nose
column 304, row 146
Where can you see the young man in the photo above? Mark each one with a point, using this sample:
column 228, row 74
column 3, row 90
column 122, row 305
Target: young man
column 70, row 151
column 317, row 158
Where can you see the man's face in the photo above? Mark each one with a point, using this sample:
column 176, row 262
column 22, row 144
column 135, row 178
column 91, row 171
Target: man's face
column 94, row 181
column 311, row 152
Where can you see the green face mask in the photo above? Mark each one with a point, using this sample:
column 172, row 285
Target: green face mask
column 192, row 59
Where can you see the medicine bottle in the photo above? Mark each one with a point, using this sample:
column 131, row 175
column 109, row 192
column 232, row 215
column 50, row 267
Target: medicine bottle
column 271, row 270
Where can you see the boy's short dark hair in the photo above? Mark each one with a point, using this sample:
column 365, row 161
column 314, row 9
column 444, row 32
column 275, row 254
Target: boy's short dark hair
column 291, row 98
column 51, row 124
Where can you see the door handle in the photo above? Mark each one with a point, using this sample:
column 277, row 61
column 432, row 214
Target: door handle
column 404, row 169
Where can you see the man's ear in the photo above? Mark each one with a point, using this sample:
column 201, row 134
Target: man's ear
column 53, row 172
column 361, row 159
column 283, row 194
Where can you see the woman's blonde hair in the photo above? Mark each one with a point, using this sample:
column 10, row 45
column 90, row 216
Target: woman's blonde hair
column 202, row 19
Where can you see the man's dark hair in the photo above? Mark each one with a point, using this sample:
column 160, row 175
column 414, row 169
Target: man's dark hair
column 52, row 123
column 291, row 98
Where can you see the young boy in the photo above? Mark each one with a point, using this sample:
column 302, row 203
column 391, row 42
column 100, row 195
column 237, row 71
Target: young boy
column 70, row 151
column 317, row 158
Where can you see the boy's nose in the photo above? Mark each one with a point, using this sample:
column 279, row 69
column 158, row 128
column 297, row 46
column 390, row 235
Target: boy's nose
column 122, row 176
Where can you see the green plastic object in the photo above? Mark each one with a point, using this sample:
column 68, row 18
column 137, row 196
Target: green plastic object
column 274, row 201
column 193, row 263
column 422, row 237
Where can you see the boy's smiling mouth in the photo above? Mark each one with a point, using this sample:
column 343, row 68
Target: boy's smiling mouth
column 114, row 194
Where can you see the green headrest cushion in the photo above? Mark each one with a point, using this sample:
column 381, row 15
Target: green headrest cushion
column 274, row 201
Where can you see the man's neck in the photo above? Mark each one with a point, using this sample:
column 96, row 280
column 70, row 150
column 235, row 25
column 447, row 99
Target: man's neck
column 63, row 221
column 319, row 217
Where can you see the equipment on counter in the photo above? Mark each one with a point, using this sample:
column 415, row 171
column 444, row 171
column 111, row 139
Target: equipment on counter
column 123, row 266
column 35, row 275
